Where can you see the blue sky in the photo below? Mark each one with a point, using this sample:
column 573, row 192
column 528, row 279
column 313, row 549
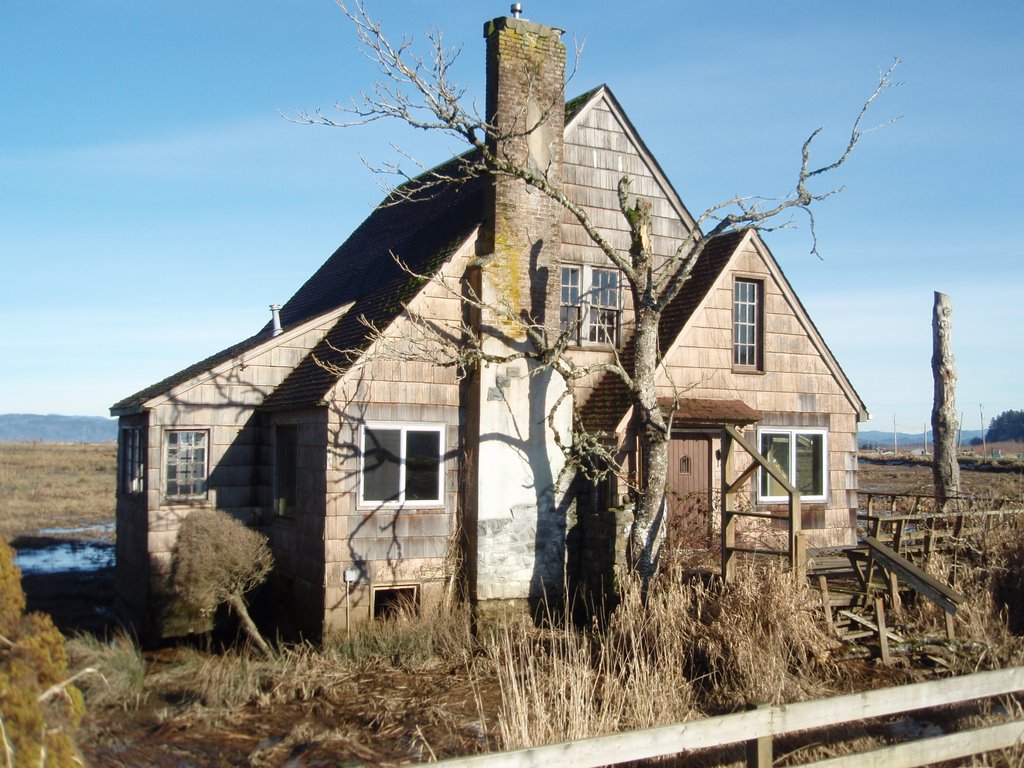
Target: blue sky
column 153, row 201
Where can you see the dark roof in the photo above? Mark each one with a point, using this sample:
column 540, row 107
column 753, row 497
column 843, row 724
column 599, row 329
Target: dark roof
column 423, row 230
column 423, row 234
column 609, row 400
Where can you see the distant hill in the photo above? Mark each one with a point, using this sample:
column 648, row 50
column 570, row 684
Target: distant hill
column 52, row 428
column 883, row 440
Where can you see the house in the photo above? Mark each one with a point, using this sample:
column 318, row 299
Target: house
column 379, row 475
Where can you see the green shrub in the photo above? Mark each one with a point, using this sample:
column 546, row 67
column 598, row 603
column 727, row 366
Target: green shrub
column 39, row 712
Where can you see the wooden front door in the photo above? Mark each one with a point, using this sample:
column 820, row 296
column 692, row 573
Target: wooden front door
column 689, row 491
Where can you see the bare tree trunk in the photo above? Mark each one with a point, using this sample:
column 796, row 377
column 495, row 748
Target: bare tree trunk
column 945, row 468
column 648, row 521
column 237, row 603
column 652, row 429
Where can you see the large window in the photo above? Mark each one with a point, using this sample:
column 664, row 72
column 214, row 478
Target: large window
column 590, row 304
column 131, row 461
column 286, row 466
column 747, row 325
column 402, row 464
column 802, row 454
column 185, row 458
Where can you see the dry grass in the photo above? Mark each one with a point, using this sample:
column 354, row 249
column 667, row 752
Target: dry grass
column 56, row 485
column 687, row 647
column 989, row 572
column 120, row 667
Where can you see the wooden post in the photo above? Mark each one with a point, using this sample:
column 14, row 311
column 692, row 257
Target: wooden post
column 883, row 634
column 759, row 751
column 945, row 467
column 826, row 600
column 728, row 520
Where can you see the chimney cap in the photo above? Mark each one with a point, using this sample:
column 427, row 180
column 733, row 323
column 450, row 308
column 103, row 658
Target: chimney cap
column 516, row 10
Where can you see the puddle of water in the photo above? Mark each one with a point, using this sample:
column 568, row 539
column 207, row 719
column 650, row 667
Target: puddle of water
column 74, row 556
column 99, row 528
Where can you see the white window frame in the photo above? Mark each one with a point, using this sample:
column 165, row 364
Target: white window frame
column 404, row 428
column 585, row 307
column 793, row 433
column 132, row 468
column 206, row 465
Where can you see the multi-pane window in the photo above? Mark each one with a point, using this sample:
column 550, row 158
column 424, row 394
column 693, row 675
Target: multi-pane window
column 604, row 306
column 802, row 455
column 185, row 464
column 591, row 314
column 286, row 465
column 131, row 461
column 746, row 324
column 569, row 306
column 402, row 464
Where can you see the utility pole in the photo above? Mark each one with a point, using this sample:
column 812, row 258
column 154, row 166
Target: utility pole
column 895, row 445
column 984, row 437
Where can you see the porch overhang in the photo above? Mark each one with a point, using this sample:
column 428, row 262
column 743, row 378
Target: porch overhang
column 698, row 411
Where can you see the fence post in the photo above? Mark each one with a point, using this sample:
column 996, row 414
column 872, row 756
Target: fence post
column 759, row 751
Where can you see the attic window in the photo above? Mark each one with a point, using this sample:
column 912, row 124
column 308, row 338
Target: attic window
column 402, row 465
column 748, row 325
column 185, row 465
column 592, row 315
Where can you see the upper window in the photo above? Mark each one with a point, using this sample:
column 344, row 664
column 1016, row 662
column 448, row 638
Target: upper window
column 403, row 464
column 286, row 465
column 748, row 325
column 591, row 304
column 185, row 464
column 131, row 477
column 802, row 454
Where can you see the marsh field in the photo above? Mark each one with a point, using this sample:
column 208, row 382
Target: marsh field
column 421, row 687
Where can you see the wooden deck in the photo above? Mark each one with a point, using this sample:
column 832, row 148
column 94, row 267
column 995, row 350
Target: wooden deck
column 859, row 584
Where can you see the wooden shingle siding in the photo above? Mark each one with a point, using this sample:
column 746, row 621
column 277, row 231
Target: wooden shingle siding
column 598, row 153
column 796, row 389
column 390, row 545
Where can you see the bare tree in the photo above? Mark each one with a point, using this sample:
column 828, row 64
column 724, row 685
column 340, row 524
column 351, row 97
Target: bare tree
column 417, row 90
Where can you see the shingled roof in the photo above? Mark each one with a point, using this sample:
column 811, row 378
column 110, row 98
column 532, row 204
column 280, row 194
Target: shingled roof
column 609, row 400
column 423, row 229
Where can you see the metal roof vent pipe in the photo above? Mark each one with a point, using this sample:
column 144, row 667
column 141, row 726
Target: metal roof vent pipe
column 275, row 313
column 517, row 10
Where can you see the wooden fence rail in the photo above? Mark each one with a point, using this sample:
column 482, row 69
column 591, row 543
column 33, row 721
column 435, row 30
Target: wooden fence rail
column 758, row 726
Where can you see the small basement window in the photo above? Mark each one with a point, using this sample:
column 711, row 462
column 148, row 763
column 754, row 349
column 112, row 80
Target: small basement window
column 391, row 602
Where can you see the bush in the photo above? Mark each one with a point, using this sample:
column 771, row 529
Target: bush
column 39, row 711
column 218, row 560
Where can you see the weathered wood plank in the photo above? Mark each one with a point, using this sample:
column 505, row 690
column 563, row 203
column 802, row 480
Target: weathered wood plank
column 945, row 597
column 937, row 749
column 743, row 726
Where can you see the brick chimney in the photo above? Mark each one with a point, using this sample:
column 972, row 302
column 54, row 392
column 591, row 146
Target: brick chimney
column 513, row 522
column 526, row 103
